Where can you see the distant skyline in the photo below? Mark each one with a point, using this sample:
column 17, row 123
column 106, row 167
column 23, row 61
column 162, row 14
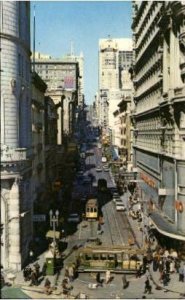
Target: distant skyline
column 58, row 23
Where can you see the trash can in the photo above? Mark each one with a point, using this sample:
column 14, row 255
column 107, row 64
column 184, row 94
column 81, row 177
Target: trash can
column 50, row 263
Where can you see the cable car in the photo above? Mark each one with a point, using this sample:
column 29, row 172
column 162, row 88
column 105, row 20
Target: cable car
column 91, row 209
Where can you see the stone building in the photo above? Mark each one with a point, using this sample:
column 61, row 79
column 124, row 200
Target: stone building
column 50, row 140
column 16, row 169
column 63, row 79
column 159, row 117
column 38, row 137
column 123, row 132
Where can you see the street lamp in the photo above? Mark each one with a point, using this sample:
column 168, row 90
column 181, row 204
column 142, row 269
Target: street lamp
column 21, row 215
column 53, row 220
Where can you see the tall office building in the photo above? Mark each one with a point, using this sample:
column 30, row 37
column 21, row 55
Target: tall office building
column 16, row 202
column 63, row 79
column 115, row 56
column 159, row 118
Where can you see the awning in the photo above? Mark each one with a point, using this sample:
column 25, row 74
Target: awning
column 52, row 234
column 166, row 228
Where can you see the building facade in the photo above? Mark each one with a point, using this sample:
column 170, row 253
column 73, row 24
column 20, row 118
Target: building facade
column 115, row 57
column 123, row 132
column 63, row 79
column 159, row 117
column 50, row 115
column 38, row 137
column 16, row 169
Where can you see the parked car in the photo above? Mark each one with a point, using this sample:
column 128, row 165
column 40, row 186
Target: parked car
column 120, row 207
column 73, row 218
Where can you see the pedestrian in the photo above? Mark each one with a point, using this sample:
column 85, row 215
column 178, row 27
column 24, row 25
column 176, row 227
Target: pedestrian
column 47, row 286
column 33, row 278
column 71, row 273
column 25, row 274
column 37, row 269
column 165, row 278
column 44, row 268
column 124, row 281
column 184, row 272
column 99, row 228
column 181, row 273
column 148, row 287
column 107, row 276
column 168, row 265
column 98, row 279
column 172, row 266
column 65, row 287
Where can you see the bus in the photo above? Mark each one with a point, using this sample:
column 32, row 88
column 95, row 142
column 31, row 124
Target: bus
column 91, row 209
column 117, row 259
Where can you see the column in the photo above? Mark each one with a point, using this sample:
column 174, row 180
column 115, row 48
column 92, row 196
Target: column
column 14, row 228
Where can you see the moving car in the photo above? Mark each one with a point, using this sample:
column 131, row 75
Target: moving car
column 104, row 159
column 98, row 169
column 106, row 168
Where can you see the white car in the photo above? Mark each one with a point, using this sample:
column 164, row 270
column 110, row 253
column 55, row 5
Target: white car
column 120, row 207
column 104, row 159
column 117, row 199
column 73, row 218
column 106, row 168
column 98, row 169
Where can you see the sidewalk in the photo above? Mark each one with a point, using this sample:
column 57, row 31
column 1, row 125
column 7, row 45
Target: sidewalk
column 174, row 285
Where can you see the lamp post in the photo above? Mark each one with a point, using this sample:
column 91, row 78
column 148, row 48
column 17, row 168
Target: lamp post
column 53, row 221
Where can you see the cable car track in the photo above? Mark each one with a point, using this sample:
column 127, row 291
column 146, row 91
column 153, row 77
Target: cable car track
column 113, row 226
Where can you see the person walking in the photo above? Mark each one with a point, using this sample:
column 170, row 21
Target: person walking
column 33, row 278
column 181, row 273
column 124, row 281
column 37, row 269
column 47, row 286
column 98, row 279
column 148, row 287
column 107, row 276
column 44, row 268
column 71, row 273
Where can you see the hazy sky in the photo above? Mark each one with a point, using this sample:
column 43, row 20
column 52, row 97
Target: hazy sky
column 84, row 23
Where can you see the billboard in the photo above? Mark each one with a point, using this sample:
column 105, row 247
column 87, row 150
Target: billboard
column 69, row 82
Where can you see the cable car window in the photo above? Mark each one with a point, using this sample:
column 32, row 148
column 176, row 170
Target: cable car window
column 96, row 257
column 111, row 257
column 103, row 257
column 95, row 210
column 87, row 257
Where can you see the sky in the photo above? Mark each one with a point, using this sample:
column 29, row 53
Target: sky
column 83, row 23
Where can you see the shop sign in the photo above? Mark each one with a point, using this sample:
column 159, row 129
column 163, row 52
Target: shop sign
column 148, row 180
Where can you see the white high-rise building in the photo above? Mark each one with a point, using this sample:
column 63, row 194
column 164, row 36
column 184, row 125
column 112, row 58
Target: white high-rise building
column 115, row 56
column 16, row 202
